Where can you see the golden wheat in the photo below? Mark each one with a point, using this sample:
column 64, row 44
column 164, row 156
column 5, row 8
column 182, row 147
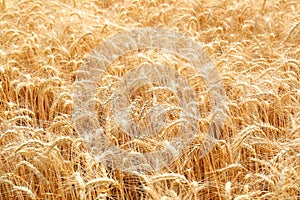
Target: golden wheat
column 255, row 46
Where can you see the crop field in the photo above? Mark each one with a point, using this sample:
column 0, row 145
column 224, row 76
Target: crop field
column 51, row 147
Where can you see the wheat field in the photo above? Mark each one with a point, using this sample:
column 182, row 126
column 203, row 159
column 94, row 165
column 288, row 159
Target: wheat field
column 255, row 46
